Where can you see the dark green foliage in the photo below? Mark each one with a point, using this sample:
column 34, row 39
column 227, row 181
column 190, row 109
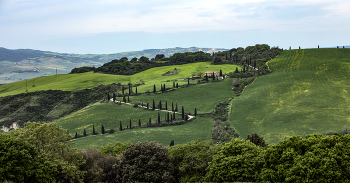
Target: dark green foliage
column 188, row 81
column 84, row 132
column 93, row 130
column 154, row 105
column 158, row 118
column 172, row 143
column 150, row 122
column 19, row 162
column 172, row 106
column 99, row 168
column 176, row 108
column 189, row 57
column 102, row 129
column 154, row 89
column 124, row 100
column 166, row 105
column 186, row 117
column 111, row 131
column 257, row 140
column 173, row 84
column 236, row 70
column 128, row 99
column 120, row 127
column 167, row 117
column 195, row 111
column 136, row 90
column 316, row 158
column 174, row 115
column 183, row 113
column 220, row 72
column 177, row 85
column 76, row 135
column 160, row 105
column 191, row 159
column 147, row 105
column 115, row 149
column 237, row 161
column 123, row 90
column 206, row 76
column 130, row 124
column 145, row 162
column 139, row 122
column 222, row 131
column 213, row 76
column 108, row 97
column 82, row 69
column 113, row 97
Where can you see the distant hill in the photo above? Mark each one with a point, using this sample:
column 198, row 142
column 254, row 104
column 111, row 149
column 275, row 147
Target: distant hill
column 21, row 64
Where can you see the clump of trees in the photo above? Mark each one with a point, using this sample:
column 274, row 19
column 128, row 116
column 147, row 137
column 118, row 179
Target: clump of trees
column 82, row 69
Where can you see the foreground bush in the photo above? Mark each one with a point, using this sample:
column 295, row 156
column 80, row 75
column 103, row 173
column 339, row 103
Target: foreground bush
column 145, row 162
column 238, row 160
column 191, row 159
column 315, row 158
column 115, row 149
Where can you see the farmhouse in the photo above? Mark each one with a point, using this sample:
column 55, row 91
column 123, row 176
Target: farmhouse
column 210, row 73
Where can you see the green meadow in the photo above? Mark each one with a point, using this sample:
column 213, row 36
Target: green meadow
column 200, row 128
column 109, row 115
column 307, row 92
column 204, row 97
column 71, row 82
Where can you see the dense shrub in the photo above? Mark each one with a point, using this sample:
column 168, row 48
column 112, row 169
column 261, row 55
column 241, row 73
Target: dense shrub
column 145, row 162
column 315, row 158
column 191, row 159
column 115, row 149
column 257, row 140
column 237, row 160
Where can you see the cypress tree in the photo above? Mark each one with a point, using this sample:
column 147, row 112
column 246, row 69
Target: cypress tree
column 174, row 116
column 154, row 105
column 121, row 126
column 102, row 129
column 206, row 77
column 236, row 70
column 128, row 99
column 154, row 88
column 173, row 84
column 158, row 118
column 161, row 88
column 171, row 117
column 139, row 122
column 136, row 90
column 147, row 105
column 76, row 135
column 318, row 46
column 84, row 132
column 123, row 90
column 220, row 72
column 299, row 47
column 142, row 104
column 124, row 100
column 130, row 124
column 167, row 117
column 177, row 85
column 213, row 76
column 166, row 105
column 195, row 111
column 160, row 105
column 188, row 81
column 93, row 130
column 186, row 118
column 109, row 98
column 164, row 87
column 172, row 143
column 183, row 112
column 176, row 108
column 337, row 47
column 150, row 121
column 113, row 97
column 243, row 68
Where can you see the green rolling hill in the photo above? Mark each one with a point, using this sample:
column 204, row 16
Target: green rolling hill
column 307, row 92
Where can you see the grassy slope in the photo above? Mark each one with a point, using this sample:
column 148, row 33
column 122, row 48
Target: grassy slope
column 204, row 97
column 307, row 92
column 181, row 134
column 87, row 80
column 107, row 114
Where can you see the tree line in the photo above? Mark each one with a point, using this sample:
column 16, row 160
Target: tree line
column 31, row 154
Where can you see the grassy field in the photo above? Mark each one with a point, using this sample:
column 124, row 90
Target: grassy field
column 200, row 128
column 81, row 81
column 107, row 114
column 204, row 97
column 307, row 92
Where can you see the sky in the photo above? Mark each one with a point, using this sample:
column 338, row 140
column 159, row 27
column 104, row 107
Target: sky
column 113, row 26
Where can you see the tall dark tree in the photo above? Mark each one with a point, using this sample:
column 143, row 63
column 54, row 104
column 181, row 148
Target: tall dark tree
column 183, row 112
column 158, row 118
column 160, row 105
column 255, row 64
column 161, row 88
column 154, row 105
column 147, row 105
column 213, row 76
column 188, row 81
column 166, row 105
column 121, row 126
column 206, row 77
column 172, row 143
column 174, row 117
column 108, row 97
column 150, row 122
column 164, row 87
column 84, row 132
column 130, row 124
column 76, row 135
column 236, row 70
column 195, row 111
column 167, row 117
column 176, row 108
column 186, row 117
column 154, row 88
column 124, row 100
column 177, row 85
column 243, row 68
column 102, row 129
column 171, row 117
column 220, row 72
column 93, row 130
column 318, row 46
column 113, row 97
column 173, row 84
column 139, row 122
column 136, row 90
